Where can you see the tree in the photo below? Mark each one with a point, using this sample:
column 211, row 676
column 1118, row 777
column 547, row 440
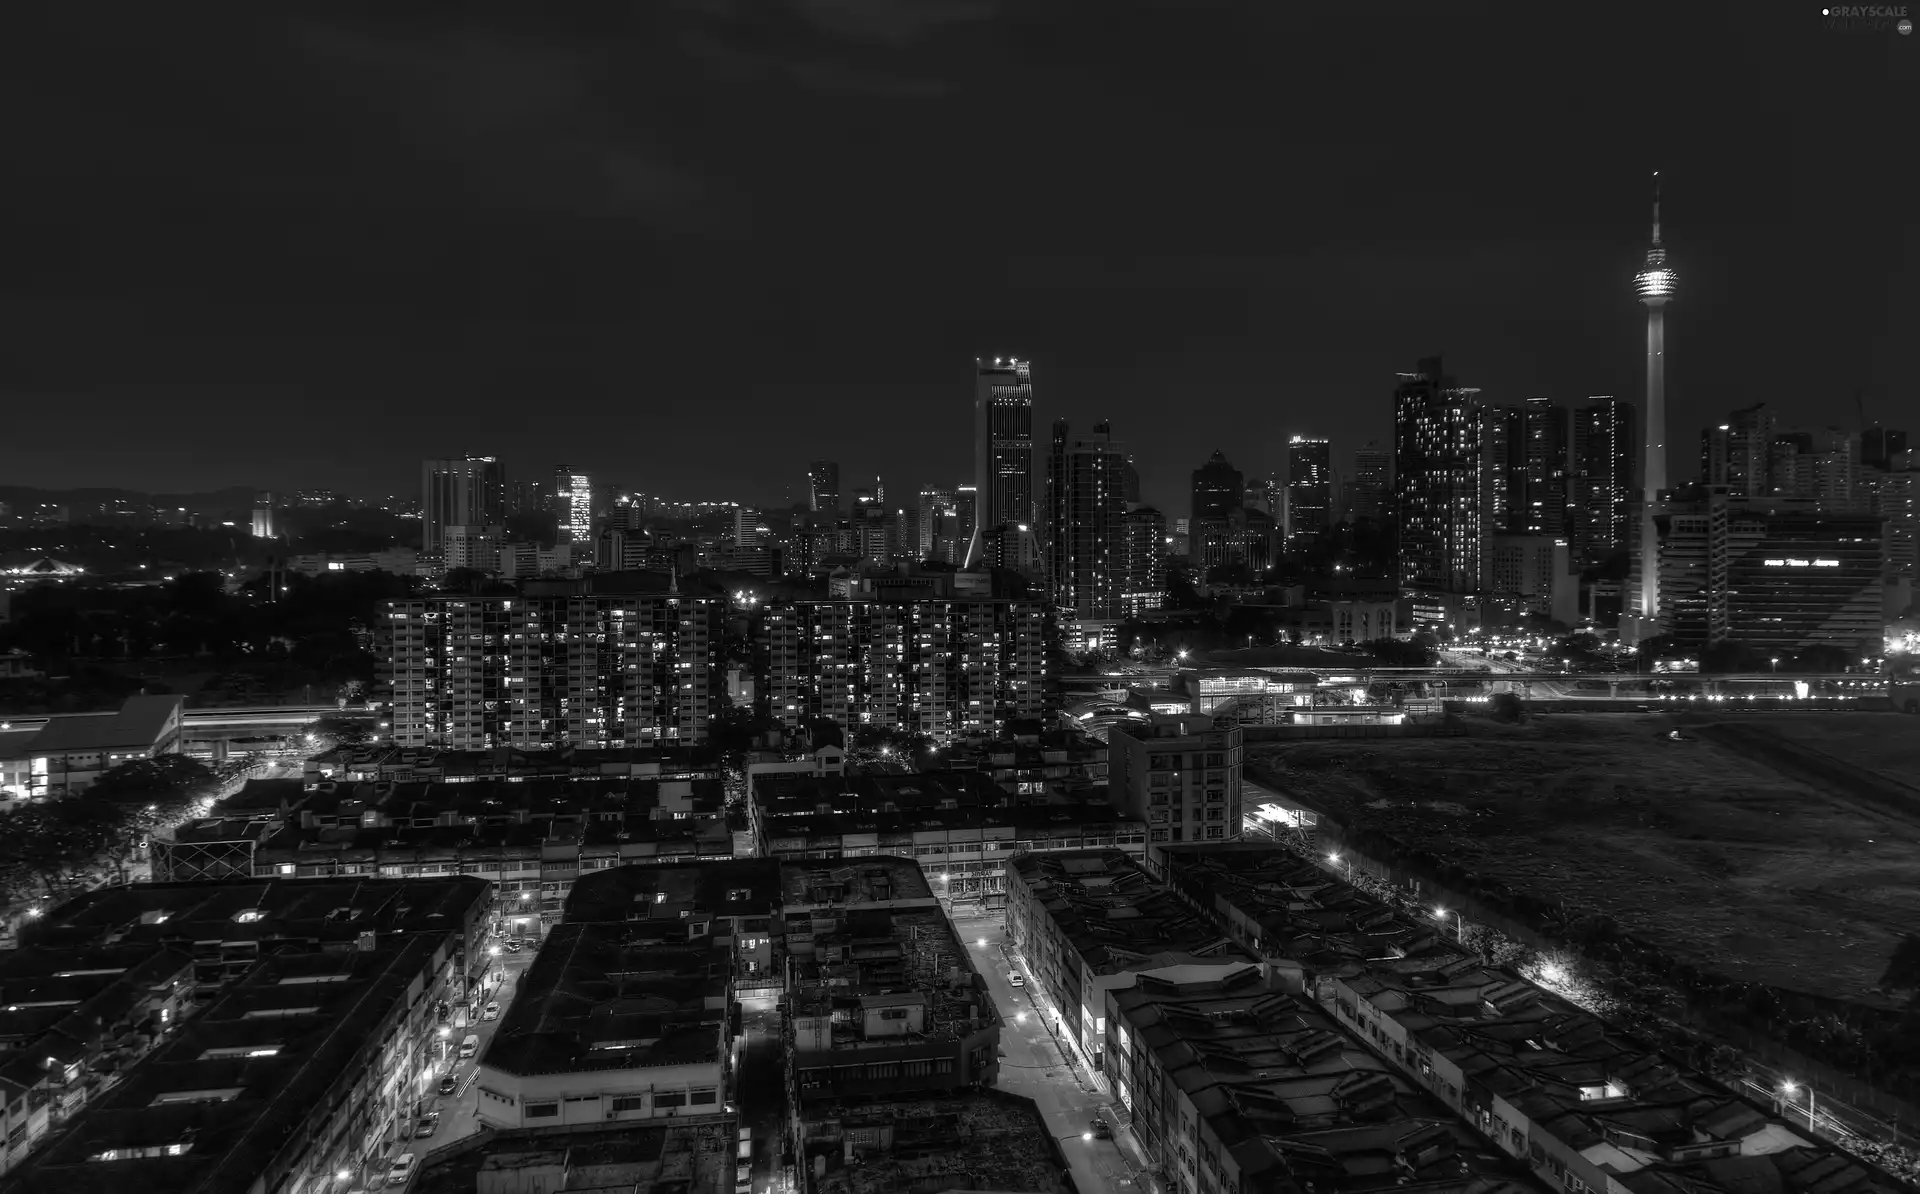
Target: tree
column 1506, row 707
column 1903, row 968
column 341, row 731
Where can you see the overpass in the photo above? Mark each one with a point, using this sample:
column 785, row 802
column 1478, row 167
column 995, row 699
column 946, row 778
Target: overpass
column 230, row 722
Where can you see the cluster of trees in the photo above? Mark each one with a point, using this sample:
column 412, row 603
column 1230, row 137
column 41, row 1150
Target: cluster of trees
column 51, row 847
column 304, row 633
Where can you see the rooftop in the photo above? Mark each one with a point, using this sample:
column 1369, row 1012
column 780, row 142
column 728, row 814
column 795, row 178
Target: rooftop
column 215, row 1104
column 723, row 887
column 1117, row 917
column 989, row 1140
column 1281, row 1088
column 878, row 879
column 616, row 996
column 685, row 1158
column 137, row 726
column 845, row 959
column 1644, row 1118
column 257, row 909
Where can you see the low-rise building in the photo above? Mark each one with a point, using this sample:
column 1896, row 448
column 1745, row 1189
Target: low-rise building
column 626, row 1013
column 1180, row 775
column 1562, row 1092
column 974, row 1140
column 1062, row 762
column 1091, row 921
column 1233, row 1085
column 681, row 1156
column 959, row 826
column 883, row 1001
column 74, row 749
column 228, row 1037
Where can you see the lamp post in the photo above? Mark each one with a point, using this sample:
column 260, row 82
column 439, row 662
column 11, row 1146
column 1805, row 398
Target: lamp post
column 1788, row 1089
column 1335, row 860
column 1776, row 665
column 1460, row 924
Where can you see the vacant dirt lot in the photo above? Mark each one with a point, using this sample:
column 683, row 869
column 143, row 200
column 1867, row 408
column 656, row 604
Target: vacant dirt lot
column 1888, row 743
column 1718, row 859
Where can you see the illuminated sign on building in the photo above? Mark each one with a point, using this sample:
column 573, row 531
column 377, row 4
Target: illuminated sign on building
column 1792, row 563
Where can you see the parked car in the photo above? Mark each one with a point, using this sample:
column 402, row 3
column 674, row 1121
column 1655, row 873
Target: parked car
column 1101, row 1128
column 514, row 945
column 469, row 1045
column 429, row 1124
column 402, row 1171
column 491, row 1011
column 449, row 1084
column 1014, row 979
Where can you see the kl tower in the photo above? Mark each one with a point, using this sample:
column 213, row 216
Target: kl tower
column 1654, row 285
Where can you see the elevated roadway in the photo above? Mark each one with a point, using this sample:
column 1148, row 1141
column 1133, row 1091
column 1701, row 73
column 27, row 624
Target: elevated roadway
column 260, row 719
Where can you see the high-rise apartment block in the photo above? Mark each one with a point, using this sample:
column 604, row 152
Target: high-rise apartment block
column 947, row 667
column 1309, row 487
column 1549, row 433
column 1179, row 774
column 1144, row 549
column 573, row 505
column 470, row 491
column 1437, row 464
column 1601, row 492
column 1086, row 495
column 1002, row 448
column 1370, row 494
column 560, row 665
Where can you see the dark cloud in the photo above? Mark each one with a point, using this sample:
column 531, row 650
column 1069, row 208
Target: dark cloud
column 693, row 244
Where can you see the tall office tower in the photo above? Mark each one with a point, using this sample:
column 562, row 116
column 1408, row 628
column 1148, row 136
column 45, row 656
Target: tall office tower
column 947, row 667
column 1789, row 465
column 1372, row 488
column 966, row 508
column 545, row 672
column 1549, row 442
column 1309, row 488
column 1143, row 561
column 1053, row 507
column 263, row 516
column 1503, row 467
column 1601, row 492
column 470, row 491
column 1132, row 475
column 1002, row 448
column 879, row 490
column 1654, row 285
column 1897, row 500
column 823, row 486
column 1879, row 446
column 1219, row 490
column 1437, row 482
column 573, row 505
column 746, row 527
column 1086, row 482
column 1735, row 453
column 1837, row 482
column 939, row 511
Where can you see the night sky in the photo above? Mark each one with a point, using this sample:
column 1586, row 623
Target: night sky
column 689, row 246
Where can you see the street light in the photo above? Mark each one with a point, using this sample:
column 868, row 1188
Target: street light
column 1776, row 665
column 1441, row 914
column 1788, row 1088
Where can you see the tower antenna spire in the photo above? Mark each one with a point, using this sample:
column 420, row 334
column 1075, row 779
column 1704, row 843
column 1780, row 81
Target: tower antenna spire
column 1656, row 209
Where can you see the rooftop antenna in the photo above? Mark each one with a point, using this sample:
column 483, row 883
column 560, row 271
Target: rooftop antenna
column 1656, row 209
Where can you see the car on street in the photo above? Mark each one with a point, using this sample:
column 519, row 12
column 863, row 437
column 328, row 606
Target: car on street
column 449, row 1084
column 491, row 1011
column 429, row 1124
column 1014, row 979
column 1101, row 1128
column 402, row 1171
column 513, row 946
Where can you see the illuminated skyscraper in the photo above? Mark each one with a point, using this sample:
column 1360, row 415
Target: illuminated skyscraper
column 1086, row 486
column 1654, row 285
column 1002, row 447
column 573, row 505
column 1309, row 487
column 1549, row 438
column 823, row 486
column 1438, row 481
column 470, row 491
column 1372, row 486
column 1601, row 494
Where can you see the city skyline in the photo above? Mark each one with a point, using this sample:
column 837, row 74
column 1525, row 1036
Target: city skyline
column 440, row 264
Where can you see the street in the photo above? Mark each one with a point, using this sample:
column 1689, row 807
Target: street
column 457, row 1110
column 1032, row 1065
column 760, row 1085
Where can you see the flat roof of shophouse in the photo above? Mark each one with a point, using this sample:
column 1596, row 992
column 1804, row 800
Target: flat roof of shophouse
column 1116, row 917
column 676, row 891
column 1282, row 1088
column 697, row 1158
column 982, row 1140
column 258, row 909
column 237, row 1081
column 1587, row 1082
